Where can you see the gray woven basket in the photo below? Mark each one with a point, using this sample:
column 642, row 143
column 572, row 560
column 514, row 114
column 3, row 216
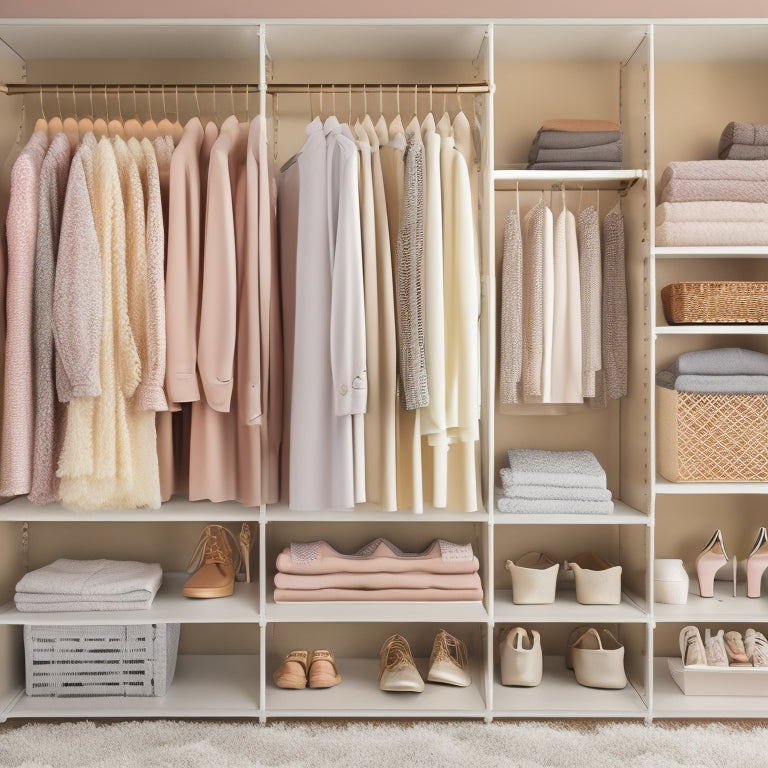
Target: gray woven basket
column 109, row 660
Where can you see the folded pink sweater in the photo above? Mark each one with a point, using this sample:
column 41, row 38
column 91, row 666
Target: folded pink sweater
column 378, row 556
column 378, row 581
column 384, row 595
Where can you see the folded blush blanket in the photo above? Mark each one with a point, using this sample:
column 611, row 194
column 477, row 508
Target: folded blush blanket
column 577, row 165
column 682, row 233
column 745, row 152
column 563, row 468
column 726, row 361
column 688, row 190
column 716, row 170
column 512, row 490
column 736, row 132
column 731, row 385
column 603, row 152
column 378, row 556
column 711, row 210
column 580, row 125
column 370, row 581
column 377, row 595
column 552, row 506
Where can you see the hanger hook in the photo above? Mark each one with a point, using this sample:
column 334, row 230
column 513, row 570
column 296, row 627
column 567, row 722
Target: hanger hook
column 177, row 102
column 365, row 100
column 215, row 111
column 119, row 106
column 74, row 101
column 197, row 100
column 333, row 98
column 149, row 104
column 90, row 96
column 165, row 108
column 247, row 105
column 381, row 99
column 42, row 109
column 106, row 103
column 232, row 96
column 309, row 97
column 321, row 101
column 430, row 97
column 350, row 104
column 58, row 101
column 397, row 91
column 458, row 98
column 415, row 99
column 135, row 105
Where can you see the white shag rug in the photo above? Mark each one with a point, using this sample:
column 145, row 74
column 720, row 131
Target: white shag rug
column 169, row 744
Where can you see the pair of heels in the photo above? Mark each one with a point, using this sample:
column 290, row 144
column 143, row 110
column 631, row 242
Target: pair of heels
column 448, row 663
column 596, row 657
column 713, row 557
column 520, row 657
column 723, row 649
column 299, row 669
column 219, row 559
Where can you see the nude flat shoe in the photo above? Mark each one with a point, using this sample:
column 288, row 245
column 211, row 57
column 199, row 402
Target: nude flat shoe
column 292, row 672
column 598, row 581
column 734, row 648
column 534, row 579
column 692, row 649
column 397, row 668
column 449, row 662
column 714, row 648
column 213, row 565
column 322, row 670
column 598, row 660
column 520, row 658
column 756, row 647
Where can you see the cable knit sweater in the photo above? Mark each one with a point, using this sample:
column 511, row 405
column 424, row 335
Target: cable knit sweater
column 591, row 290
column 21, row 230
column 49, row 413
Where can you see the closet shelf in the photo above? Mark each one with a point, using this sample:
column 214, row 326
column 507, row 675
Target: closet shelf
column 369, row 513
column 664, row 486
column 716, row 611
column 203, row 686
column 375, row 611
column 711, row 252
column 566, row 610
column 724, row 329
column 175, row 510
column 169, row 606
column 527, row 180
column 359, row 695
column 622, row 514
column 559, row 695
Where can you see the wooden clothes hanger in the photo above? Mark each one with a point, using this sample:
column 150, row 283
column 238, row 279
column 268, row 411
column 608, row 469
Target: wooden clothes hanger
column 85, row 123
column 133, row 127
column 100, row 124
column 151, row 130
column 70, row 125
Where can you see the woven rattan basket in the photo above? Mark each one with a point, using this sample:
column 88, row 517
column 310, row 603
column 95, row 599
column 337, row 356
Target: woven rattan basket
column 715, row 302
column 712, row 437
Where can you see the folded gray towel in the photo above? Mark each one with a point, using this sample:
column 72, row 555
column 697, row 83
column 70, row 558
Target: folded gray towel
column 562, row 468
column 80, row 605
column 745, row 152
column 737, row 132
column 716, row 170
column 731, row 385
column 75, row 578
column 577, row 165
column 552, row 507
column 690, row 190
column 605, row 152
column 574, row 139
column 512, row 490
column 728, row 361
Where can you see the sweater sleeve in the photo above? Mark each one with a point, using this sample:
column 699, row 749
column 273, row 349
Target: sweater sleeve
column 77, row 308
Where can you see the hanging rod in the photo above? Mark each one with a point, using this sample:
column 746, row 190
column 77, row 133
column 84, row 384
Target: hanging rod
column 13, row 89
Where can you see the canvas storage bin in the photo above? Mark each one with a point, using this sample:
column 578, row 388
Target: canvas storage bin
column 715, row 302
column 109, row 660
column 712, row 437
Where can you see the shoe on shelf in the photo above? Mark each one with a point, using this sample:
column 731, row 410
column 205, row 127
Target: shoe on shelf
column 710, row 560
column 692, row 649
column 213, row 564
column 757, row 562
column 397, row 668
column 734, row 648
column 520, row 657
column 322, row 670
column 534, row 579
column 598, row 581
column 449, row 662
column 292, row 672
column 756, row 648
column 714, row 649
column 598, row 660
column 572, row 638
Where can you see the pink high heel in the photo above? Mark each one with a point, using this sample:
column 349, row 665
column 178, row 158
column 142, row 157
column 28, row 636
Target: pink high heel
column 757, row 562
column 711, row 559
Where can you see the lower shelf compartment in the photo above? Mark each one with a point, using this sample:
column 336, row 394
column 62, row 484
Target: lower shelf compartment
column 358, row 695
column 203, row 686
column 559, row 695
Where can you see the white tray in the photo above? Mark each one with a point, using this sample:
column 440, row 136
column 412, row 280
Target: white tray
column 719, row 681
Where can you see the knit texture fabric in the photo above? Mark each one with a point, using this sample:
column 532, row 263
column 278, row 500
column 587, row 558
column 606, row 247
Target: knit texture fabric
column 745, row 152
column 711, row 210
column 410, row 256
column 682, row 233
column 591, row 290
column 532, row 300
column 49, row 413
column 511, row 357
column 748, row 134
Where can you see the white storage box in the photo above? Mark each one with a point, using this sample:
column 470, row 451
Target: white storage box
column 719, row 681
column 110, row 660
column 670, row 581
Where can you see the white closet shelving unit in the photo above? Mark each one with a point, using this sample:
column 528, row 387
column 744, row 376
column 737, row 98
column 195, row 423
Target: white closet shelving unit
column 536, row 70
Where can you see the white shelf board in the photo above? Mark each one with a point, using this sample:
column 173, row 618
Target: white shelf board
column 664, row 486
column 528, row 179
column 559, row 695
column 374, row 611
column 670, row 701
column 358, row 695
column 705, row 329
column 169, row 606
column 203, row 686
column 710, row 251
column 622, row 514
column 567, row 610
column 175, row 510
column 717, row 610
column 369, row 513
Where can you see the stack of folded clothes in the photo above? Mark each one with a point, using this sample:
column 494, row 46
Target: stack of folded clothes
column 731, row 371
column 743, row 141
column 577, row 145
column 89, row 585
column 713, row 202
column 553, row 482
column 316, row 572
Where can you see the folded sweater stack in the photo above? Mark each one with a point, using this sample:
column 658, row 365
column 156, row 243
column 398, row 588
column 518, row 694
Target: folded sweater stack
column 743, row 141
column 577, row 145
column 89, row 585
column 553, row 482
column 731, row 371
column 316, row 572
column 713, row 202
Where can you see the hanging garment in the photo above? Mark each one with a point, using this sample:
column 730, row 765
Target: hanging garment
column 533, row 300
column 49, row 412
column 591, row 294
column 511, row 345
column 381, row 477
column 18, row 401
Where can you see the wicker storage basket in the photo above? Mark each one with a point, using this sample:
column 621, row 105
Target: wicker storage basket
column 111, row 660
column 715, row 302
column 712, row 437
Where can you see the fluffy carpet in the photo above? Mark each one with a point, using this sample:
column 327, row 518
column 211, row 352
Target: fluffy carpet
column 166, row 744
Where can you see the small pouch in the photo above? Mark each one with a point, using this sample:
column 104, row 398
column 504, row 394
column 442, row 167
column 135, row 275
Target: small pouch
column 534, row 579
column 598, row 581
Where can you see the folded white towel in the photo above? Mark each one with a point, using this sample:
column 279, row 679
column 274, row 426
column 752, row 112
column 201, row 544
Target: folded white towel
column 563, row 468
column 512, row 490
column 552, row 506
column 68, row 606
column 682, row 233
column 716, row 170
column 711, row 210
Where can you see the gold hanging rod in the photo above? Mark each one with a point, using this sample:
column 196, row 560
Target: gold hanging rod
column 14, row 89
